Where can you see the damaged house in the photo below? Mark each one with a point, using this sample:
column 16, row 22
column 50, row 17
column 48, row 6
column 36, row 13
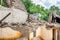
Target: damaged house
column 17, row 24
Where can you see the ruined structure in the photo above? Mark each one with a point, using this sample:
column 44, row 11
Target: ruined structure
column 17, row 21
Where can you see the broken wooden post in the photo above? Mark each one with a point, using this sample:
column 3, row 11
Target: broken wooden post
column 3, row 19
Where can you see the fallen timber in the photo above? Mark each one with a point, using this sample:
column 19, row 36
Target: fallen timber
column 3, row 19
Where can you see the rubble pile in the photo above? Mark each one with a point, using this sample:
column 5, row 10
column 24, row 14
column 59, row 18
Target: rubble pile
column 18, row 21
column 25, row 28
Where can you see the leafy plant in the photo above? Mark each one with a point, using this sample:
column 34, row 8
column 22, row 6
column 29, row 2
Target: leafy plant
column 3, row 3
column 32, row 9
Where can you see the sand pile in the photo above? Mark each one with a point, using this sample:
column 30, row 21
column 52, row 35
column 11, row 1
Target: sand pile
column 8, row 33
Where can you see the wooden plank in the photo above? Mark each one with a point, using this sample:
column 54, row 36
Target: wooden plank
column 54, row 34
column 31, row 35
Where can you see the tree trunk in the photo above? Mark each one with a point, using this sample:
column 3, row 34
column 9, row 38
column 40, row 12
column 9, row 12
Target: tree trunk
column 9, row 3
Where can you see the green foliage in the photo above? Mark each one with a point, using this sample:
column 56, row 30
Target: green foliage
column 32, row 8
column 55, row 8
column 3, row 3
